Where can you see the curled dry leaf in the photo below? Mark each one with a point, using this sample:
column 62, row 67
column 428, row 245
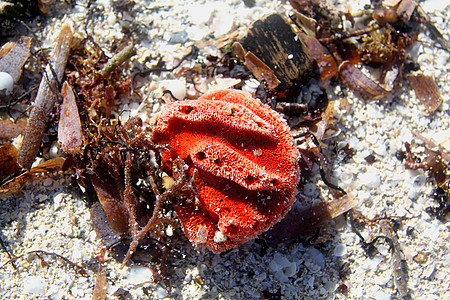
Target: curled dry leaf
column 46, row 98
column 426, row 91
column 355, row 79
column 50, row 166
column 325, row 61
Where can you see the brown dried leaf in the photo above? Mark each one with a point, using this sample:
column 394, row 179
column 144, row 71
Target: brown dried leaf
column 260, row 70
column 8, row 160
column 220, row 41
column 238, row 51
column 13, row 56
column 46, row 98
column 326, row 63
column 426, row 91
column 16, row 184
column 101, row 284
column 70, row 134
column 10, row 129
column 356, row 80
column 301, row 222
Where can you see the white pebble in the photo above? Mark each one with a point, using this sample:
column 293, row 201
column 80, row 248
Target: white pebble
column 200, row 13
column 370, row 179
column 279, row 262
column 380, row 295
column 6, row 82
column 161, row 292
column 314, row 260
column 340, row 250
column 176, row 86
column 139, row 275
column 34, row 285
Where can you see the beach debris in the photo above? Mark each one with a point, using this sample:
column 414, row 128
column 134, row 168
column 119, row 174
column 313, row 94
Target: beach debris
column 46, row 98
column 44, row 264
column 398, row 261
column 356, row 80
column 271, row 44
column 101, row 284
column 13, row 56
column 441, row 196
column 378, row 38
column 8, row 160
column 426, row 91
column 16, row 183
column 70, row 134
column 242, row 161
column 10, row 129
column 435, row 162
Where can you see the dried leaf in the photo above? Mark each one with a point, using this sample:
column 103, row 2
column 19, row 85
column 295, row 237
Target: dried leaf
column 356, row 80
column 326, row 63
column 8, row 160
column 13, row 56
column 426, row 91
column 16, row 184
column 238, row 51
column 300, row 222
column 101, row 284
column 260, row 70
column 10, row 129
column 46, row 98
column 70, row 134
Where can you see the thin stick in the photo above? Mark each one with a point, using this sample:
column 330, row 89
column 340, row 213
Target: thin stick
column 46, row 98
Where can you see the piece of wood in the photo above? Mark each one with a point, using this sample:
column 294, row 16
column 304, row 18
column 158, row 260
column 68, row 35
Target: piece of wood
column 273, row 41
column 46, row 98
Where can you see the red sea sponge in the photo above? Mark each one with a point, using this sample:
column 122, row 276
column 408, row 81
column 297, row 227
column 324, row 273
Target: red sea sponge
column 246, row 165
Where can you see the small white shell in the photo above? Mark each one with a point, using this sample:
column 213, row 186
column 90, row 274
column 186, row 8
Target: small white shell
column 6, row 82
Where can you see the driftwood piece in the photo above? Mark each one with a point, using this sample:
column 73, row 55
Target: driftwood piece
column 273, row 41
column 46, row 98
